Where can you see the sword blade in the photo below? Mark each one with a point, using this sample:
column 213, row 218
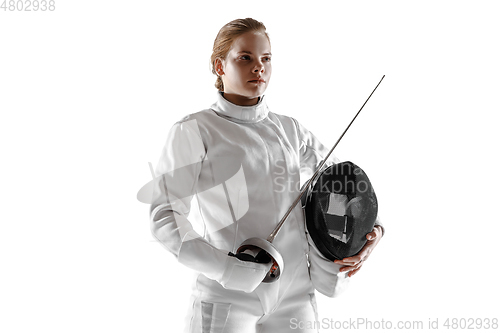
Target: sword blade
column 282, row 221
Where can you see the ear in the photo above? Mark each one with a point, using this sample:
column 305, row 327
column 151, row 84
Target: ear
column 219, row 67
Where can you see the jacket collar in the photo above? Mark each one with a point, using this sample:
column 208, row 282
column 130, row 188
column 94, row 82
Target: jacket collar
column 247, row 114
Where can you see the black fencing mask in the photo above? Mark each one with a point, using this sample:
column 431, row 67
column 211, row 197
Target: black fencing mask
column 341, row 209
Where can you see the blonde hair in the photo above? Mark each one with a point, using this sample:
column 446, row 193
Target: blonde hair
column 225, row 38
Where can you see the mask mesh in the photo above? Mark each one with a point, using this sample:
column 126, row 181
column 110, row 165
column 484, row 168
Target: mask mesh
column 340, row 210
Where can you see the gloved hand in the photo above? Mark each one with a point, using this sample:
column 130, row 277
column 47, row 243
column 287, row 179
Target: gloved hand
column 243, row 275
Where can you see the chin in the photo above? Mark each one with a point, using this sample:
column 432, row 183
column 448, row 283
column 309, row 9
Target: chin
column 251, row 95
column 256, row 93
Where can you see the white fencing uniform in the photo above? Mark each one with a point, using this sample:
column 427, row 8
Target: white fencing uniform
column 230, row 173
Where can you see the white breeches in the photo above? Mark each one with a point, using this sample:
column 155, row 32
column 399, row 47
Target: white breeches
column 214, row 309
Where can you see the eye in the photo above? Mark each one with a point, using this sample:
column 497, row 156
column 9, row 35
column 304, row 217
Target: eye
column 245, row 57
column 267, row 59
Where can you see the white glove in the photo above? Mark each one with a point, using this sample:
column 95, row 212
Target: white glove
column 243, row 275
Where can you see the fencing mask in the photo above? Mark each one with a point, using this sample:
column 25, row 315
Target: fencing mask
column 341, row 208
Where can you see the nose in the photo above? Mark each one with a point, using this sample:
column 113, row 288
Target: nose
column 259, row 67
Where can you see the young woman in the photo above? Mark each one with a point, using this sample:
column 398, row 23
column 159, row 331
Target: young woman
column 244, row 165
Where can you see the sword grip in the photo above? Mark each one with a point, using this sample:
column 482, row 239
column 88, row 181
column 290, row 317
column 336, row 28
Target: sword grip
column 243, row 256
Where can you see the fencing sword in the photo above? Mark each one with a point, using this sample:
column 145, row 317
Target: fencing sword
column 261, row 250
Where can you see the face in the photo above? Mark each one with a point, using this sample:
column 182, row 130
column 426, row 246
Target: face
column 246, row 71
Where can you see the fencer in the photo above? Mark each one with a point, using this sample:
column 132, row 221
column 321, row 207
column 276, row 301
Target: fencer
column 228, row 173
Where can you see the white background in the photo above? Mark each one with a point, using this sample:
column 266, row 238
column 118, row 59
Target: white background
column 89, row 91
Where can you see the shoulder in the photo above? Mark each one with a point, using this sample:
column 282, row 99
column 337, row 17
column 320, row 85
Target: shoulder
column 292, row 124
column 195, row 117
column 198, row 122
column 286, row 121
column 190, row 127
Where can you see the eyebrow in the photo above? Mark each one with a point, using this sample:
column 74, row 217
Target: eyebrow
column 269, row 53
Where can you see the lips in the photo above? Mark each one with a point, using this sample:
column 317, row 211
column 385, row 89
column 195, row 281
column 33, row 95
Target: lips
column 257, row 81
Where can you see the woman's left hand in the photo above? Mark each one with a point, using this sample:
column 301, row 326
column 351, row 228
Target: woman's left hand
column 353, row 264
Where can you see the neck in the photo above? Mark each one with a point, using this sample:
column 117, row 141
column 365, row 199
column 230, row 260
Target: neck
column 240, row 113
column 241, row 100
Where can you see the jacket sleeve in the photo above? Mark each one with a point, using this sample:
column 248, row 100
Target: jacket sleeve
column 177, row 174
column 312, row 153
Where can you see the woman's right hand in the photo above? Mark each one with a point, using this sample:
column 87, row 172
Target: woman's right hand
column 243, row 275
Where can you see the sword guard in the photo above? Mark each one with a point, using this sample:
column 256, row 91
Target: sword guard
column 262, row 251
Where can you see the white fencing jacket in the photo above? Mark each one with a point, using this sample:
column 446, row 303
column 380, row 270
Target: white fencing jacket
column 230, row 173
